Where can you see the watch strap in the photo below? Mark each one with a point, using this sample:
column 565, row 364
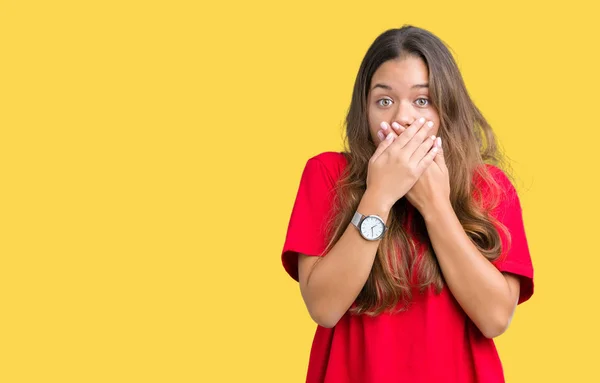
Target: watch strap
column 356, row 218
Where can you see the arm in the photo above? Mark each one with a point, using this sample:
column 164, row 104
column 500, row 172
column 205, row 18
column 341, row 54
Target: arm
column 487, row 296
column 330, row 284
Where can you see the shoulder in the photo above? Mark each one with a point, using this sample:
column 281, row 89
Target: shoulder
column 494, row 185
column 489, row 176
column 330, row 164
column 330, row 159
column 498, row 174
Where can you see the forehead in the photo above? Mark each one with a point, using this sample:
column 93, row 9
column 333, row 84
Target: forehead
column 401, row 73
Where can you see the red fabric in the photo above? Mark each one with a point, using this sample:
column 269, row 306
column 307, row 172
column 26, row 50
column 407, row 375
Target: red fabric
column 434, row 340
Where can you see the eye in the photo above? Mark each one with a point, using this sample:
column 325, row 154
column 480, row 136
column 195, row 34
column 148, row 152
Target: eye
column 384, row 99
column 422, row 101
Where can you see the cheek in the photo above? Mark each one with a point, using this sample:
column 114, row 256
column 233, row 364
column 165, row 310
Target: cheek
column 436, row 127
column 373, row 125
column 373, row 134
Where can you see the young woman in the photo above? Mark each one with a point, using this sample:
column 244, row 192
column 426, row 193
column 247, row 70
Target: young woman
column 409, row 246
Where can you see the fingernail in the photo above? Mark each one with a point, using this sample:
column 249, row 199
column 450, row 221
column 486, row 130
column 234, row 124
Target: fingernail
column 422, row 120
column 439, row 142
column 433, row 137
column 430, row 124
column 396, row 125
column 390, row 136
column 384, row 125
column 380, row 135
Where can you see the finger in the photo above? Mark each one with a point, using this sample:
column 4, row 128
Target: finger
column 439, row 158
column 386, row 129
column 428, row 159
column 423, row 149
column 419, row 138
column 383, row 145
column 409, row 133
column 398, row 128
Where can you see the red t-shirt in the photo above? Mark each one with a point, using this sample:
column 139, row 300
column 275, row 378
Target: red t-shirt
column 434, row 340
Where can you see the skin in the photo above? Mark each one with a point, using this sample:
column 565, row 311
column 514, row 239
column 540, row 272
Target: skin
column 409, row 162
column 404, row 101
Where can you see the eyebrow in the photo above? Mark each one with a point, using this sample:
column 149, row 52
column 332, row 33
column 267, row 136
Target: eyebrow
column 384, row 86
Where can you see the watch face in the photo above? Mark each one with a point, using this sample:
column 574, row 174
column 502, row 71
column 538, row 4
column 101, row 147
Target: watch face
column 372, row 227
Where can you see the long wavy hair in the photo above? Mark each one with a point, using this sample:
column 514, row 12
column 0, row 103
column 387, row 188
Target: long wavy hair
column 405, row 259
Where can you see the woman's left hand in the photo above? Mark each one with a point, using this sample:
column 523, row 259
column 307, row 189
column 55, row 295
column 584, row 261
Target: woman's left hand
column 433, row 187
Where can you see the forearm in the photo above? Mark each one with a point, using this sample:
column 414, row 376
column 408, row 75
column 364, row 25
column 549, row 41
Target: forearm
column 478, row 286
column 335, row 280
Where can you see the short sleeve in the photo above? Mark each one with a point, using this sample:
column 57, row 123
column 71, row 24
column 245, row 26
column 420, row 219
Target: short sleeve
column 515, row 257
column 306, row 231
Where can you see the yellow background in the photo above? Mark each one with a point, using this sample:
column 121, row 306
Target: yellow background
column 150, row 153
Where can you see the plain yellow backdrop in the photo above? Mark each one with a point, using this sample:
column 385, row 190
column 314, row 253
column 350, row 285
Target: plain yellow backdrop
column 151, row 153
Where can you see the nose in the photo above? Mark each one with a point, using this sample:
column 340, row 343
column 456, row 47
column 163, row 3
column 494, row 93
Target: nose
column 405, row 114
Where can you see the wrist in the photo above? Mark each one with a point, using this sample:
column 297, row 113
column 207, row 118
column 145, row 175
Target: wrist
column 433, row 209
column 372, row 203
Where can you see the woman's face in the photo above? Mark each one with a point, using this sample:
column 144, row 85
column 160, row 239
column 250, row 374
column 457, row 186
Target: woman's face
column 399, row 93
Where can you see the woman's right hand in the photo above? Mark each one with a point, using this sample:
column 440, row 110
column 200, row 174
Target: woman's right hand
column 399, row 161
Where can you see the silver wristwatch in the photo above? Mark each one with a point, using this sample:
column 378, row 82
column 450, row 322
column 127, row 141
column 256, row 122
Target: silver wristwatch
column 370, row 227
